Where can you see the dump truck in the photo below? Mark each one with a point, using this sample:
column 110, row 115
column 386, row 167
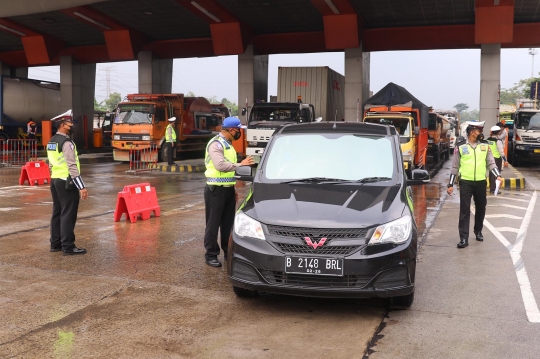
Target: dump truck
column 22, row 99
column 438, row 137
column 142, row 120
column 394, row 105
column 526, row 136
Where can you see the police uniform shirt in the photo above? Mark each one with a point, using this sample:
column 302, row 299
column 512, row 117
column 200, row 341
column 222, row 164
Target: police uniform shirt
column 215, row 151
column 68, row 149
column 169, row 133
column 457, row 158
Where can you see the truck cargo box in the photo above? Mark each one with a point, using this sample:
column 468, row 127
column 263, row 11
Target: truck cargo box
column 320, row 86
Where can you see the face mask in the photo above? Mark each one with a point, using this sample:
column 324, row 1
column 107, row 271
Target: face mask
column 480, row 137
column 71, row 130
column 236, row 135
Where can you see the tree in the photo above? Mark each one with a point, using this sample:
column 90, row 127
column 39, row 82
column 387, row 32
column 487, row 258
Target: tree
column 231, row 105
column 461, row 107
column 510, row 96
column 473, row 115
column 112, row 101
column 98, row 106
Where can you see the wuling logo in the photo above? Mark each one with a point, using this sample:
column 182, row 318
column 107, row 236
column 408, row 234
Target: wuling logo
column 315, row 244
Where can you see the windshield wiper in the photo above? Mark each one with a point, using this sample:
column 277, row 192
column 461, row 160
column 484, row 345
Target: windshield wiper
column 373, row 179
column 314, row 180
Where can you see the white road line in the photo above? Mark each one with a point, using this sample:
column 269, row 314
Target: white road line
column 508, row 229
column 506, row 198
column 506, row 205
column 511, row 216
column 531, row 307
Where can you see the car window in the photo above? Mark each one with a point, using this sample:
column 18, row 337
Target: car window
column 342, row 156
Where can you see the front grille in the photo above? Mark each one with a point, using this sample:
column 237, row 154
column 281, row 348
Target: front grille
column 305, row 249
column 275, row 277
column 530, row 139
column 129, row 137
column 316, row 233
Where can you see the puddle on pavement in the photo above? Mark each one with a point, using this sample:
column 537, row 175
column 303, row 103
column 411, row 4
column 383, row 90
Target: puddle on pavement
column 427, row 201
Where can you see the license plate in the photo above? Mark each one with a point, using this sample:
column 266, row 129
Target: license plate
column 537, row 151
column 311, row 265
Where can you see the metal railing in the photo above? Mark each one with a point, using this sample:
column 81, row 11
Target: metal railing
column 18, row 152
column 143, row 159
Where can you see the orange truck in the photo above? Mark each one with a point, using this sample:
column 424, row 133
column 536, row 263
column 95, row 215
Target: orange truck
column 142, row 120
column 438, row 137
column 393, row 105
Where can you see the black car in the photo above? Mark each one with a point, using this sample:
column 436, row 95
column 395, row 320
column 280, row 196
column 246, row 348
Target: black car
column 329, row 214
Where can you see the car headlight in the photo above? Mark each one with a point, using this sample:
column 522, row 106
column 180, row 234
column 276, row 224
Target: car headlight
column 245, row 226
column 116, row 137
column 397, row 231
column 146, row 138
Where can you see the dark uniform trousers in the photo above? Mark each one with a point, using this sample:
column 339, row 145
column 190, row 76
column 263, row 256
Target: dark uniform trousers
column 169, row 153
column 220, row 205
column 476, row 190
column 64, row 216
column 492, row 178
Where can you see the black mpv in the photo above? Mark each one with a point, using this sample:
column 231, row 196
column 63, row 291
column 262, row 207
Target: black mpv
column 329, row 214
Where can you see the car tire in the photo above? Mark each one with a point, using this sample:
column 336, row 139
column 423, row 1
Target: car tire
column 436, row 156
column 244, row 293
column 402, row 302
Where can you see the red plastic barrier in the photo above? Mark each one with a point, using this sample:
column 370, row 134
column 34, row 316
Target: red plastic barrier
column 35, row 172
column 137, row 199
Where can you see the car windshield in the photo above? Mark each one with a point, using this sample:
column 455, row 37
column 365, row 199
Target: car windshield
column 432, row 121
column 348, row 157
column 401, row 124
column 262, row 114
column 528, row 121
column 134, row 114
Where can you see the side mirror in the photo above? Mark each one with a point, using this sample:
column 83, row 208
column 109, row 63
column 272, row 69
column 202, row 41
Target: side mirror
column 244, row 173
column 244, row 110
column 318, row 119
column 419, row 177
column 416, row 131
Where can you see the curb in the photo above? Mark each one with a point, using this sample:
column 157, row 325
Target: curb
column 179, row 168
column 518, row 181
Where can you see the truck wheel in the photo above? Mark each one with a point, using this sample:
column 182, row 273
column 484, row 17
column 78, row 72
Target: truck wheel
column 516, row 160
column 436, row 156
column 4, row 137
column 447, row 154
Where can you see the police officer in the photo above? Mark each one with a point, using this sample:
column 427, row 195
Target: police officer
column 497, row 149
column 170, row 140
column 67, row 186
column 219, row 194
column 31, row 129
column 471, row 157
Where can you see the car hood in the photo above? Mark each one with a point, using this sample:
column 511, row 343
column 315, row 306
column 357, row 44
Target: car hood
column 325, row 205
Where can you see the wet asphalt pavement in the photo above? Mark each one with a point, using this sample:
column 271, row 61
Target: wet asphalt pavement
column 144, row 291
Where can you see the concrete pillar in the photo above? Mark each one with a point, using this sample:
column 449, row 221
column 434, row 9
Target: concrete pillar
column 155, row 75
column 77, row 91
column 4, row 69
column 357, row 68
column 490, row 78
column 252, row 79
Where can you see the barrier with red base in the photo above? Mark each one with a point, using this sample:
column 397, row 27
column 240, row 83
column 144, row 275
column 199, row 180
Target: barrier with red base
column 136, row 199
column 35, row 172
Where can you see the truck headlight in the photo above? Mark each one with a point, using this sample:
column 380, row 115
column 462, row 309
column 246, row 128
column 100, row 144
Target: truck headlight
column 116, row 137
column 397, row 231
column 430, row 141
column 245, row 226
column 146, row 138
column 520, row 147
column 407, row 156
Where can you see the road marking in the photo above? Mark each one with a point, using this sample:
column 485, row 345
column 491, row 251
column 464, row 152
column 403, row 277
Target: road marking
column 506, row 205
column 511, row 216
column 508, row 198
column 531, row 307
column 508, row 229
column 6, row 209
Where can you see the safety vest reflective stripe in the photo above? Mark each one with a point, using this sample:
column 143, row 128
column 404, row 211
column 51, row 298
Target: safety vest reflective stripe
column 56, row 158
column 172, row 136
column 473, row 162
column 493, row 147
column 213, row 176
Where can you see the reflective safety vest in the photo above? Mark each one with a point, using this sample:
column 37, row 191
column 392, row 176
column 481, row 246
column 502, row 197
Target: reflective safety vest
column 56, row 156
column 473, row 162
column 172, row 136
column 213, row 176
column 493, row 145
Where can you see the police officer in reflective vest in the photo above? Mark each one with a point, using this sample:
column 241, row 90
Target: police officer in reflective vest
column 497, row 149
column 219, row 194
column 170, row 140
column 471, row 158
column 67, row 186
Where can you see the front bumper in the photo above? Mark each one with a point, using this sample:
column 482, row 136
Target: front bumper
column 373, row 271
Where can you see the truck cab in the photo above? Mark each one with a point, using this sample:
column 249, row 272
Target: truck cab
column 526, row 141
column 265, row 118
column 438, row 137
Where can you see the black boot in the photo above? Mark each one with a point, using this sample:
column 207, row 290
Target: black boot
column 464, row 242
column 479, row 236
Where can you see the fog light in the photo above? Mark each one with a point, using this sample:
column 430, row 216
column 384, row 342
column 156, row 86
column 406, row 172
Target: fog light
column 244, row 271
column 392, row 279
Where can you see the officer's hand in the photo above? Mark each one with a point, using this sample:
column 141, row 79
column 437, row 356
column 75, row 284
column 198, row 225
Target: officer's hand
column 499, row 178
column 505, row 164
column 247, row 161
column 83, row 193
column 449, row 190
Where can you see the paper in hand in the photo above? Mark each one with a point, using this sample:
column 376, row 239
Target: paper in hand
column 497, row 186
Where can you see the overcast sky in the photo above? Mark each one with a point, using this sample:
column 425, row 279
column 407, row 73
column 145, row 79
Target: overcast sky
column 439, row 78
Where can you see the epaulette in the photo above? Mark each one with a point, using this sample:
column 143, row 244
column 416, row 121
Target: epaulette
column 483, row 141
column 461, row 142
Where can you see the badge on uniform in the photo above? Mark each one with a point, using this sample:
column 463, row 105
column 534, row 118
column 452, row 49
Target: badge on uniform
column 483, row 147
column 465, row 150
column 71, row 146
column 51, row 146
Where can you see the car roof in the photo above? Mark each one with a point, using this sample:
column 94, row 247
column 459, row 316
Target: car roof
column 341, row 127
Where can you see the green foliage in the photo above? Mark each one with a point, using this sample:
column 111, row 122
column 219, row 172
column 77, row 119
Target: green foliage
column 98, row 106
column 510, row 96
column 112, row 101
column 472, row 115
column 461, row 107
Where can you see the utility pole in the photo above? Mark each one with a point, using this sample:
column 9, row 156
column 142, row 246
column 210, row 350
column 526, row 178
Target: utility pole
column 532, row 52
